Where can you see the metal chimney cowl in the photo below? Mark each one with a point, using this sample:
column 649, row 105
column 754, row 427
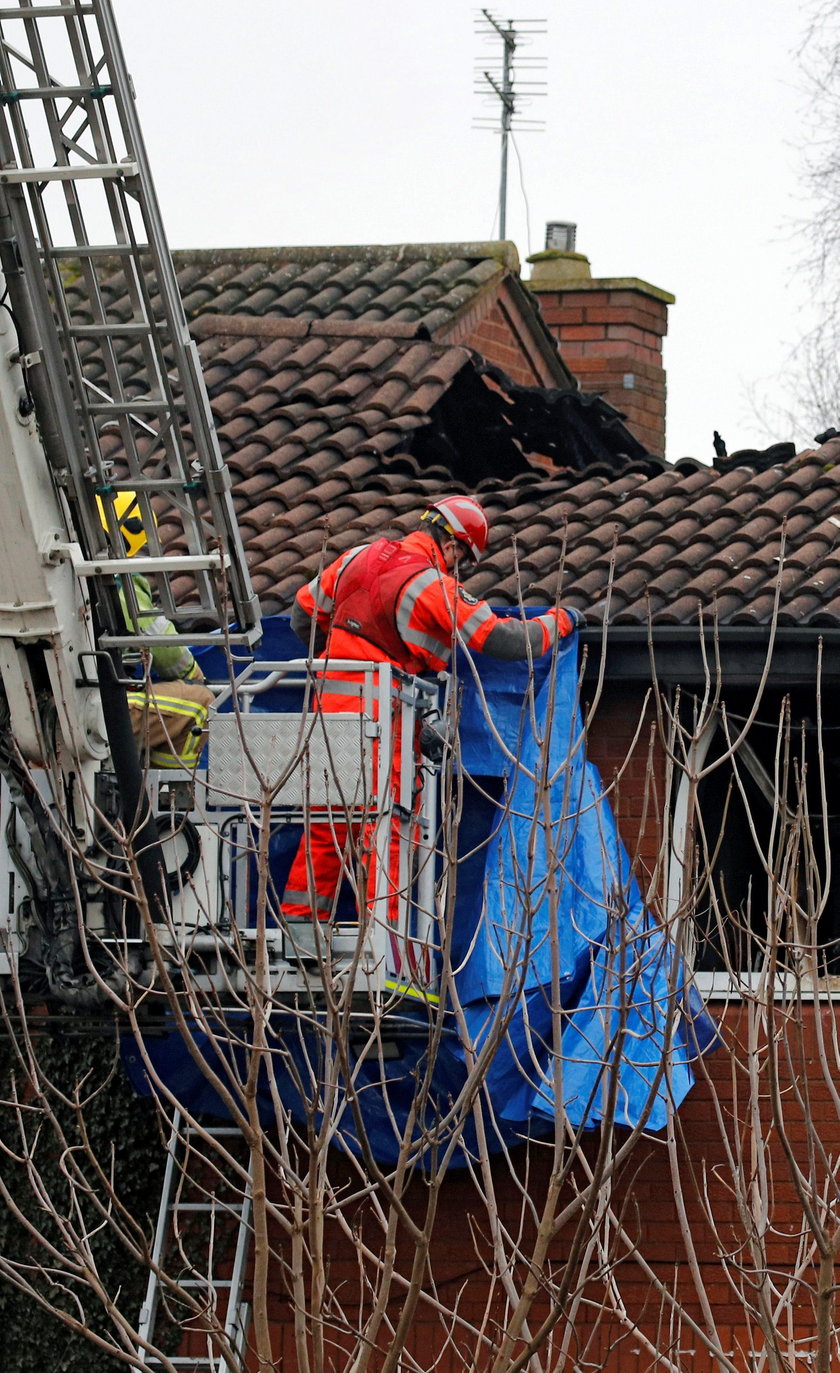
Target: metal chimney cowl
column 560, row 235
column 558, row 264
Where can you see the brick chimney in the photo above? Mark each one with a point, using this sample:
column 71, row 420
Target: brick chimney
column 610, row 332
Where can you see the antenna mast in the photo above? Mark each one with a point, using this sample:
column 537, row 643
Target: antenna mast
column 503, row 83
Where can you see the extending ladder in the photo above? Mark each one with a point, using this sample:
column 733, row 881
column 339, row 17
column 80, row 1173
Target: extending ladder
column 196, row 1192
column 77, row 207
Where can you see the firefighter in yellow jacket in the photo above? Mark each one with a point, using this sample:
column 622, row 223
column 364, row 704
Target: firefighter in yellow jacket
column 169, row 716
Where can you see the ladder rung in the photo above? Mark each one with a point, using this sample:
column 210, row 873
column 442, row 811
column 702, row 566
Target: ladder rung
column 53, row 93
column 171, row 566
column 102, row 171
column 216, row 1131
column 196, row 640
column 47, row 11
column 96, row 250
column 128, row 407
column 152, row 484
column 181, row 1361
column 106, row 330
column 205, row 1282
column 210, row 1207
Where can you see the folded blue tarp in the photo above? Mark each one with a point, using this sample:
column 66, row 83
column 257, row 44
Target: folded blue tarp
column 556, row 960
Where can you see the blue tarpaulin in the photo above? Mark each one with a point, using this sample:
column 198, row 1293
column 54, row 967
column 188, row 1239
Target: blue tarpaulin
column 556, row 961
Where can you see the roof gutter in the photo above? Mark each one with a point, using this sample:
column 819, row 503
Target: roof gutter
column 737, row 654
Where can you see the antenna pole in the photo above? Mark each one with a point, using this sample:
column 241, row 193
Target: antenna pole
column 503, row 85
column 509, row 38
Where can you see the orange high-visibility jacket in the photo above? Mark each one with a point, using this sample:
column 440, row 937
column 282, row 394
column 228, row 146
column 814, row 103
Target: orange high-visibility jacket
column 430, row 611
column 412, row 619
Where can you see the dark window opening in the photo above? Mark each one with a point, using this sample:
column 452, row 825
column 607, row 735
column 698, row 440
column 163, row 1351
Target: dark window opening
column 783, row 816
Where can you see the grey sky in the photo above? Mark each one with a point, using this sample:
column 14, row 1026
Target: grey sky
column 672, row 133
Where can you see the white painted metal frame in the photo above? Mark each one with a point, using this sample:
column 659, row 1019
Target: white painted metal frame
column 237, row 1312
column 721, row 985
column 399, row 954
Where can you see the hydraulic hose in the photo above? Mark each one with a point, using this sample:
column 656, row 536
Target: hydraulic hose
column 135, row 807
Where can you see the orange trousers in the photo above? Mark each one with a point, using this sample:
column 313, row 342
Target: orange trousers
column 329, row 852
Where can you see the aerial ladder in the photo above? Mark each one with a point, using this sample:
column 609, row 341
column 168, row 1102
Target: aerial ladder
column 77, row 207
column 203, row 1235
column 77, row 202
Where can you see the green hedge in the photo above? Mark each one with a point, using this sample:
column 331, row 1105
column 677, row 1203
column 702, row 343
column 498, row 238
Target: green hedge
column 30, row 1340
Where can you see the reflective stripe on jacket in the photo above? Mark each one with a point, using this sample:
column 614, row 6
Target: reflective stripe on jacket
column 430, row 607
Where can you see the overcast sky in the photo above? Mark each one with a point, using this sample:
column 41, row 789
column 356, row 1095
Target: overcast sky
column 672, row 138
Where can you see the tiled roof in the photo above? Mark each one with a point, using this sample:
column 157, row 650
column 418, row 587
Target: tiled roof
column 670, row 549
column 346, row 428
column 340, row 416
column 665, row 548
column 426, row 285
column 409, row 284
column 651, row 544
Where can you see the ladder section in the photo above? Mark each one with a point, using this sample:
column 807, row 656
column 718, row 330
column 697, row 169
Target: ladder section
column 108, row 361
column 201, row 1244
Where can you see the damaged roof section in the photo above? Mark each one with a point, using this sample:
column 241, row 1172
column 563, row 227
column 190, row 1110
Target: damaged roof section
column 343, row 402
column 565, row 429
column 325, row 424
column 341, row 413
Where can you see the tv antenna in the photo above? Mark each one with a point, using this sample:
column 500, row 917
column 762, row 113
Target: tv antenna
column 510, row 80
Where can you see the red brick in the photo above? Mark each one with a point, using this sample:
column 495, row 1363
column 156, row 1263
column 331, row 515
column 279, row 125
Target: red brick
column 581, row 333
column 640, row 319
column 650, row 405
column 564, row 314
column 583, row 364
column 583, row 299
column 634, row 334
column 616, row 348
column 638, row 299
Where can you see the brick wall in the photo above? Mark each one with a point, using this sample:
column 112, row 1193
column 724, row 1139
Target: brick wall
column 495, row 339
column 613, row 1331
column 494, row 327
column 624, row 745
column 610, row 333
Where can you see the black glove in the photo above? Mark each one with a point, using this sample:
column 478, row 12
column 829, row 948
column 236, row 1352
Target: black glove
column 431, row 741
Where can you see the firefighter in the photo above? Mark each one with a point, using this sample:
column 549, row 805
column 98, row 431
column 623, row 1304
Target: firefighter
column 169, row 716
column 400, row 601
